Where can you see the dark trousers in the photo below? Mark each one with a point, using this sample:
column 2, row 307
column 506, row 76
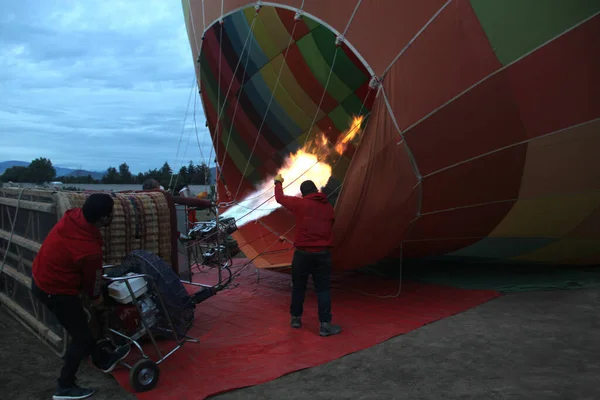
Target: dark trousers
column 319, row 266
column 69, row 312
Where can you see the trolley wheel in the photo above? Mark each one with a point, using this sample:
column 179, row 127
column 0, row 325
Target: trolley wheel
column 144, row 375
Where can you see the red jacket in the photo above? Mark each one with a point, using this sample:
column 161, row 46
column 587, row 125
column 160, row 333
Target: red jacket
column 314, row 218
column 70, row 259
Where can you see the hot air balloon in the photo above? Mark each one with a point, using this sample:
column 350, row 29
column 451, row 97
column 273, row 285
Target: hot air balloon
column 479, row 122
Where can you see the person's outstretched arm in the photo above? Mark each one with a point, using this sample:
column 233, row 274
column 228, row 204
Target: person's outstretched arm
column 289, row 202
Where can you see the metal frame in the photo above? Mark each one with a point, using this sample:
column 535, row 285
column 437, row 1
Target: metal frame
column 147, row 330
column 15, row 276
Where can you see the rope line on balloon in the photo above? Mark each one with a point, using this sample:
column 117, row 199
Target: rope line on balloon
column 240, row 90
column 203, row 18
column 391, row 112
column 198, row 137
column 290, row 40
column 194, row 25
column 214, row 136
column 187, row 108
column 411, row 157
column 222, row 25
column 338, row 43
column 411, row 41
column 221, row 109
column 198, row 83
column 219, row 168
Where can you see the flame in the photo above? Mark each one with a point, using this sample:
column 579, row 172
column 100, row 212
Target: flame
column 342, row 143
column 308, row 163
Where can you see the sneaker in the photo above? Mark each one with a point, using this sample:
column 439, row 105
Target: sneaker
column 115, row 358
column 327, row 329
column 72, row 393
column 296, row 322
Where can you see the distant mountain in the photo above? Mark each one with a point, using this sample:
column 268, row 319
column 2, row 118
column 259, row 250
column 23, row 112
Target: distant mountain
column 60, row 171
column 4, row 165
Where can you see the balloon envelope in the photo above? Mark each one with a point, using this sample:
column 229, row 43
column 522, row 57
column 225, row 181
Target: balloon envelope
column 480, row 136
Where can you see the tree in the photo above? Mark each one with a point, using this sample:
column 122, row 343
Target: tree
column 164, row 175
column 125, row 175
column 183, row 175
column 112, row 176
column 14, row 174
column 201, row 175
column 40, row 170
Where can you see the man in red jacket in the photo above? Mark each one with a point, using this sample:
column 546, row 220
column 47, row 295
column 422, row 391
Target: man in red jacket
column 70, row 262
column 314, row 221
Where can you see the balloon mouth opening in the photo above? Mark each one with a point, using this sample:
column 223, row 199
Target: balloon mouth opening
column 290, row 91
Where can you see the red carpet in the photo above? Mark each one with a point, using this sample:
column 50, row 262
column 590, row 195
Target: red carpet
column 245, row 337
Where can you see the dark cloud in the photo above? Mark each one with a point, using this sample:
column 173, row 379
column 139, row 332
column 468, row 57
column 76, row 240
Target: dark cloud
column 96, row 83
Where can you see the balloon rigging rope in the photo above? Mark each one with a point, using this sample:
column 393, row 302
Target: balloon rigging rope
column 216, row 133
column 240, row 90
column 219, row 168
column 182, row 131
column 266, row 111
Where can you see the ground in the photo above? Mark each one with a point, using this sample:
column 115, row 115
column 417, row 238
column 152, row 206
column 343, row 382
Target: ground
column 534, row 345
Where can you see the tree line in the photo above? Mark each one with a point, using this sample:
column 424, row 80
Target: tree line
column 41, row 171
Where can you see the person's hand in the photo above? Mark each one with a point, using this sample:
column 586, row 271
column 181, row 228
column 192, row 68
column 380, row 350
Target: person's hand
column 279, row 178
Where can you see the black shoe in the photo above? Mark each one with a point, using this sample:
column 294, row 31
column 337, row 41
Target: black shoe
column 327, row 329
column 296, row 322
column 72, row 393
column 115, row 357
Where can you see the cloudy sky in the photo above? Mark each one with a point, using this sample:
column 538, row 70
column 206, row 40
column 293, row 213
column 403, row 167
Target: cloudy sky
column 96, row 83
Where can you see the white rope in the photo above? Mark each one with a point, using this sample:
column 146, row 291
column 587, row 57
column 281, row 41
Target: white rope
column 203, row 18
column 193, row 25
column 187, row 108
column 216, row 132
column 266, row 111
column 196, row 129
column 358, row 3
column 415, row 37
